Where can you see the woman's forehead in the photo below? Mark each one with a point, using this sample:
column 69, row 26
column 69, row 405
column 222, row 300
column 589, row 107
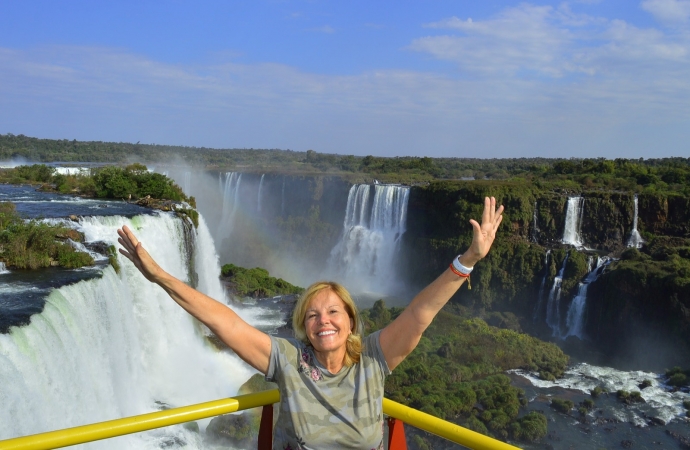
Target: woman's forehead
column 325, row 299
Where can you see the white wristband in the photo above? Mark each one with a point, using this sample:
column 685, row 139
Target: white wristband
column 460, row 268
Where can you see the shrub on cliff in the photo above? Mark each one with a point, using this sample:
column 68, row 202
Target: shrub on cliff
column 256, row 282
column 33, row 244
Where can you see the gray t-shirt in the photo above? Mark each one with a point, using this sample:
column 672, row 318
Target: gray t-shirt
column 320, row 410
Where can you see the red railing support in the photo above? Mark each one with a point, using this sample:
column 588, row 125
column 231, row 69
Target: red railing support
column 396, row 435
column 266, row 428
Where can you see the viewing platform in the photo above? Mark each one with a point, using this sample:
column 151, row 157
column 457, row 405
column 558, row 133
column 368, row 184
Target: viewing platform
column 397, row 413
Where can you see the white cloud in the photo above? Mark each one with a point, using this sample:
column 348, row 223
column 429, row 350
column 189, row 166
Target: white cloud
column 519, row 39
column 533, row 81
column 668, row 11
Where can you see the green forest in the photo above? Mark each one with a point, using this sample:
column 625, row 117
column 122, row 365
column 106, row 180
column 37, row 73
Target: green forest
column 651, row 175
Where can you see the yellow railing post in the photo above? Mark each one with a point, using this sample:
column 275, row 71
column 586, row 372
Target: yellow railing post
column 143, row 422
column 439, row 427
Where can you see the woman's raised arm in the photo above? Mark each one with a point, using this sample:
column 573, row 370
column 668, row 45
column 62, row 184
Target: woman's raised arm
column 250, row 344
column 401, row 336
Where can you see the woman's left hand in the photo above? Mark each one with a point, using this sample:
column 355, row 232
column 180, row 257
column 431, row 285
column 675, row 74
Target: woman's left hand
column 484, row 234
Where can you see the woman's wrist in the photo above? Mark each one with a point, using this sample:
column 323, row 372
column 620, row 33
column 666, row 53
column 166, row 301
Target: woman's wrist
column 467, row 261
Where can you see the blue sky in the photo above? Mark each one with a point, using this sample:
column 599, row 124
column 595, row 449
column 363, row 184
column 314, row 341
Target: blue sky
column 490, row 79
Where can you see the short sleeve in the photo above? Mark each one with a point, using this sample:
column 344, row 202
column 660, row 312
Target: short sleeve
column 372, row 348
column 281, row 351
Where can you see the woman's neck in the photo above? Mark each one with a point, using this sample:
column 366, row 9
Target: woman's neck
column 331, row 361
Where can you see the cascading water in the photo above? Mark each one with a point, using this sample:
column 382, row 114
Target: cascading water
column 187, row 182
column 535, row 227
column 258, row 196
column 230, row 187
column 573, row 221
column 117, row 345
column 364, row 256
column 553, row 307
column 576, row 311
column 282, row 198
column 635, row 238
column 540, row 299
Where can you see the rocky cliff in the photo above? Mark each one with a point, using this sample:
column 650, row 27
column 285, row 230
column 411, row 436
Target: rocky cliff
column 642, row 298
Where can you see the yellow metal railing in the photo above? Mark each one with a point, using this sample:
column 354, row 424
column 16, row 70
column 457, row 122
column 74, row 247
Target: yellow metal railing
column 144, row 422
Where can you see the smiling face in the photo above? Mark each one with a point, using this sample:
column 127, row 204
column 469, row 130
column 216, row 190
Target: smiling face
column 327, row 323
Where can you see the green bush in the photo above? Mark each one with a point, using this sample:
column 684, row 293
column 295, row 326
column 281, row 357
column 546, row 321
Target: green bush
column 529, row 428
column 33, row 244
column 256, row 282
column 561, row 405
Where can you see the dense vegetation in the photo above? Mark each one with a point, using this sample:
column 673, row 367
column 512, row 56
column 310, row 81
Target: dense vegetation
column 653, row 175
column 256, row 282
column 131, row 182
column 456, row 373
column 33, row 244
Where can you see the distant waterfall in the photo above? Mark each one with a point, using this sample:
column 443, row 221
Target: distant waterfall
column 535, row 227
column 230, row 187
column 540, row 298
column 364, row 256
column 553, row 307
column 187, row 182
column 258, row 196
column 635, row 238
column 573, row 221
column 117, row 346
column 576, row 312
column 282, row 198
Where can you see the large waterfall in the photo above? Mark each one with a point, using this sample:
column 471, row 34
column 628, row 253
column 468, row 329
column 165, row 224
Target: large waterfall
column 118, row 345
column 573, row 221
column 375, row 220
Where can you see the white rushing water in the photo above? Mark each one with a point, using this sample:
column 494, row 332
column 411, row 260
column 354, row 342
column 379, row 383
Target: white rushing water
column 553, row 306
column 230, row 187
column 635, row 238
column 258, row 196
column 117, row 346
column 573, row 221
column 660, row 402
column 576, row 312
column 364, row 256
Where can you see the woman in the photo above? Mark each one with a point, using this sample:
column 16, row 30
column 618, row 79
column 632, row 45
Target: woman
column 330, row 380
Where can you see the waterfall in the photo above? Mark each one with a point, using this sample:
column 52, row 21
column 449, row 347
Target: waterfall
column 187, row 182
column 540, row 298
column 576, row 311
column 117, row 346
column 573, row 221
column 553, row 307
column 364, row 256
column 282, row 198
column 635, row 238
column 230, row 187
column 258, row 196
column 535, row 227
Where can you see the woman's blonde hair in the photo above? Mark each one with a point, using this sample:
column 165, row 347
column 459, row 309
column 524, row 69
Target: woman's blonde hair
column 353, row 346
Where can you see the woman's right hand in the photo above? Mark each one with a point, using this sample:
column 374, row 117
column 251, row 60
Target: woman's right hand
column 135, row 252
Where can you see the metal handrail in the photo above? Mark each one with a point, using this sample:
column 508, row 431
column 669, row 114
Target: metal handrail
column 174, row 416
